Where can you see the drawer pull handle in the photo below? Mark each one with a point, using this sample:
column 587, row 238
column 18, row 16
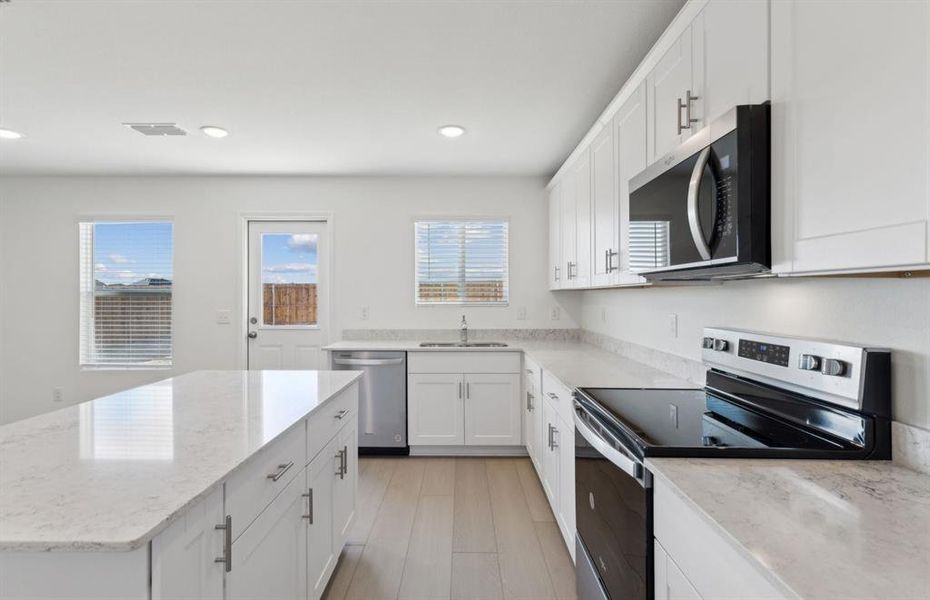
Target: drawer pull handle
column 226, row 528
column 553, row 395
column 529, row 401
column 309, row 515
column 282, row 469
column 342, row 413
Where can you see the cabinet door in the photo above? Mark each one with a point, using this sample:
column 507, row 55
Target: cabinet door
column 850, row 135
column 568, row 222
column 269, row 559
column 565, row 441
column 183, row 565
column 555, row 237
column 666, row 86
column 345, row 488
column 630, row 128
column 319, row 518
column 435, row 405
column 492, row 410
column 581, row 269
column 531, row 425
column 670, row 582
column 606, row 218
column 550, row 456
column 731, row 57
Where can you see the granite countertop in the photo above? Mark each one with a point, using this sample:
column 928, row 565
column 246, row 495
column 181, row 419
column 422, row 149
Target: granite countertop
column 575, row 364
column 816, row 529
column 109, row 474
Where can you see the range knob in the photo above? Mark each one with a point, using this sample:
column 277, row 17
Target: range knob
column 834, row 367
column 809, row 362
column 708, row 343
column 721, row 345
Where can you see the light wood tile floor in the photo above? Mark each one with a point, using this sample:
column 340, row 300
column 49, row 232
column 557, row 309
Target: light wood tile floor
column 452, row 528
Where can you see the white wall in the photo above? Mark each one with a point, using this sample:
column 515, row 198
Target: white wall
column 373, row 244
column 884, row 312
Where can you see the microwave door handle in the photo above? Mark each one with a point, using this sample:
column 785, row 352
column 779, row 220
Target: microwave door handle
column 694, row 220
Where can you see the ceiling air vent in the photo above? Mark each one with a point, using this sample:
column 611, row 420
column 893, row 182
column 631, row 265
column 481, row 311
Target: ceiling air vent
column 156, row 129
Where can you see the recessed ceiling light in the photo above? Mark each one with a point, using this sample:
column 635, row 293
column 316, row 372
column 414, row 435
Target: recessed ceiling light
column 9, row 134
column 214, row 131
column 451, row 131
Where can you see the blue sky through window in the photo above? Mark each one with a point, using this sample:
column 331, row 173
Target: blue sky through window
column 289, row 258
column 130, row 252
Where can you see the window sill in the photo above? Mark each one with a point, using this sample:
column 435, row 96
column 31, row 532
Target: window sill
column 125, row 368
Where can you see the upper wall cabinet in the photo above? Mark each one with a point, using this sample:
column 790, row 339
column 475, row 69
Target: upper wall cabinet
column 850, row 135
column 605, row 234
column 719, row 61
column 555, row 237
column 629, row 127
column 579, row 267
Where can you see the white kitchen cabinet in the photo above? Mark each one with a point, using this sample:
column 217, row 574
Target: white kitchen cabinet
column 629, row 125
column 667, row 87
column 850, row 136
column 435, row 409
column 555, row 237
column 532, row 412
column 345, row 488
column 567, row 223
column 565, row 446
column 269, row 559
column 670, row 582
column 730, row 41
column 581, row 254
column 183, row 565
column 605, row 235
column 492, row 410
column 551, row 461
column 323, row 517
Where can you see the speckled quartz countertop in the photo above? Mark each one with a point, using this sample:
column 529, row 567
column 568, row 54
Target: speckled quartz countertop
column 816, row 529
column 111, row 473
column 575, row 364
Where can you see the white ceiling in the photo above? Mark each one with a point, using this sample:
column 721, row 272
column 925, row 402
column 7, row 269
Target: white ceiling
column 313, row 87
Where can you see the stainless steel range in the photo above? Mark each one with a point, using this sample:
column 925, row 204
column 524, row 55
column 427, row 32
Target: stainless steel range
column 766, row 397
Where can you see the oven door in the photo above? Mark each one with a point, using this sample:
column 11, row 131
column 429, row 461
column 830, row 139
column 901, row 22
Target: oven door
column 613, row 498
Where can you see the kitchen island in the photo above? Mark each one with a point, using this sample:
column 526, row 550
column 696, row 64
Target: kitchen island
column 192, row 486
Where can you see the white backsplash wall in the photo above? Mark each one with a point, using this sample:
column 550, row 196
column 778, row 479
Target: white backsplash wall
column 874, row 311
column 373, row 264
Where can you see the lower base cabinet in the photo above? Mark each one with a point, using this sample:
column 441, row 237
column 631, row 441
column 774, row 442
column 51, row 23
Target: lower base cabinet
column 345, row 487
column 319, row 519
column 670, row 582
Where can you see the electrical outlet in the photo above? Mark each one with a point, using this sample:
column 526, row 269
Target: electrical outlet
column 673, row 325
column 223, row 317
column 521, row 313
column 363, row 313
column 58, row 394
column 556, row 313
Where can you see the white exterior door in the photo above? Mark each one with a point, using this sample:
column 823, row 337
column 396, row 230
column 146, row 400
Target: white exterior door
column 492, row 410
column 435, row 409
column 288, row 307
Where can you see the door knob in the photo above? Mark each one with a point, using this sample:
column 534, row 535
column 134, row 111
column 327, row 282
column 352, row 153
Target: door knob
column 253, row 335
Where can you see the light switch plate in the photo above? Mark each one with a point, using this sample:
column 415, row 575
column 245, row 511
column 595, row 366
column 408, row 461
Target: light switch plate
column 556, row 313
column 363, row 313
column 223, row 317
column 58, row 394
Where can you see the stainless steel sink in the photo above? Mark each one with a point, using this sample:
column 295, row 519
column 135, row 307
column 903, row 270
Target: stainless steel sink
column 463, row 345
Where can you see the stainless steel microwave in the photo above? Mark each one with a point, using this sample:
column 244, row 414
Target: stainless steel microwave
column 703, row 211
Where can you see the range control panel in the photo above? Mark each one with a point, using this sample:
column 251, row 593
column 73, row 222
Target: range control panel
column 774, row 354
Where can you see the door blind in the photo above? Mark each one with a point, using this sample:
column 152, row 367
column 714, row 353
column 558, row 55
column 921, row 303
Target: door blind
column 649, row 245
column 462, row 262
column 126, row 287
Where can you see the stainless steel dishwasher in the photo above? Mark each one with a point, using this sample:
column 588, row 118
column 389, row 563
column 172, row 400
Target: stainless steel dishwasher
column 382, row 400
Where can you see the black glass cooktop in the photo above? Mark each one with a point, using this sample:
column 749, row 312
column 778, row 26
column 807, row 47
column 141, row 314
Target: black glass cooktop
column 730, row 417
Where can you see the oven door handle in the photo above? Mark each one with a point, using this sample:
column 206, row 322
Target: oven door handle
column 626, row 464
column 694, row 219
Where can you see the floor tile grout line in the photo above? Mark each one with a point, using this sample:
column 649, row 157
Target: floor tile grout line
column 497, row 546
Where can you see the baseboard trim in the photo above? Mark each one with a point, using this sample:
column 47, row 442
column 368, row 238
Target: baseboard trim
column 468, row 451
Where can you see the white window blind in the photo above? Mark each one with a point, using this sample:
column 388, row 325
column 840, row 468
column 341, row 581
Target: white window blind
column 126, row 281
column 462, row 262
column 649, row 245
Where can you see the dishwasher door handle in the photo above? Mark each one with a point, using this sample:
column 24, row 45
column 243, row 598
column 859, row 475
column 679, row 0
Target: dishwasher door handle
column 367, row 362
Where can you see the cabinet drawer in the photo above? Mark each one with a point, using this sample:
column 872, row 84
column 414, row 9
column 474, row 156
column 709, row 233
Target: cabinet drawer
column 706, row 559
column 326, row 423
column 559, row 396
column 463, row 362
column 254, row 486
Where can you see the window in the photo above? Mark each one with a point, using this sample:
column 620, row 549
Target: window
column 649, row 245
column 126, row 286
column 462, row 262
column 290, row 263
